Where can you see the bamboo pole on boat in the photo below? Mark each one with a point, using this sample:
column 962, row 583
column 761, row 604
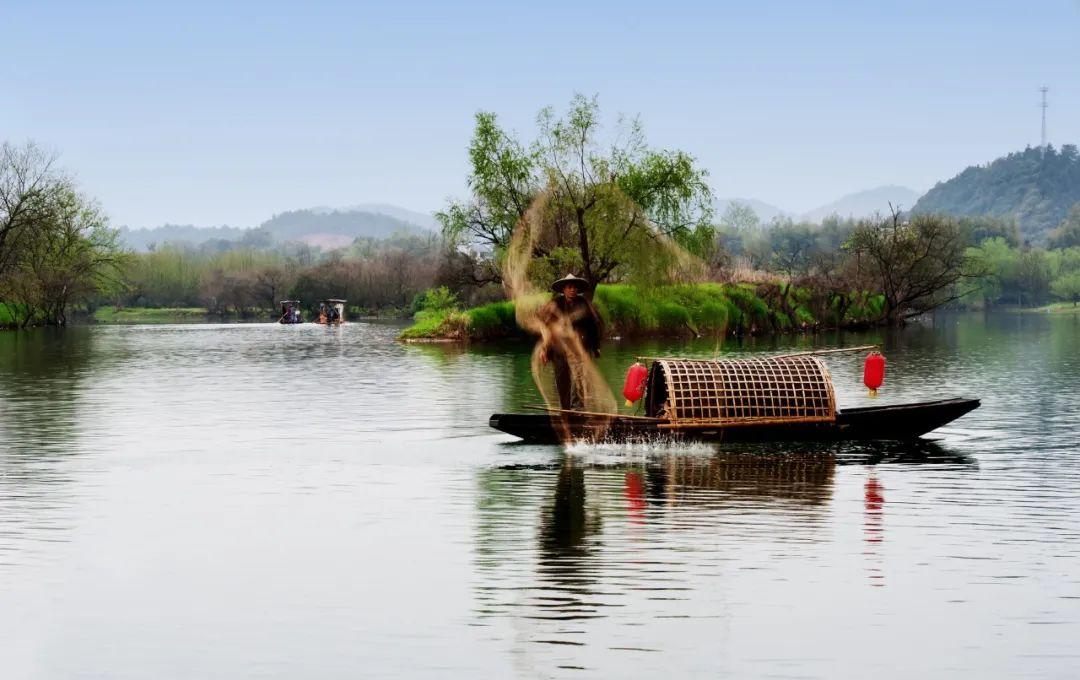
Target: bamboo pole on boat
column 537, row 407
column 830, row 351
column 771, row 356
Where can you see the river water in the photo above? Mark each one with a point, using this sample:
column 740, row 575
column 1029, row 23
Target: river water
column 301, row 502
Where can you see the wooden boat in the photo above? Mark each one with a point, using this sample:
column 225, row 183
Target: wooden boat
column 290, row 312
column 904, row 421
column 331, row 312
column 775, row 399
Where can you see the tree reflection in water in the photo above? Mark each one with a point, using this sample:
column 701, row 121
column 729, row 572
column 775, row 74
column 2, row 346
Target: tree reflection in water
column 44, row 376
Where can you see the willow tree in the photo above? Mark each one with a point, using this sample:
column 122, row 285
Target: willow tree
column 610, row 202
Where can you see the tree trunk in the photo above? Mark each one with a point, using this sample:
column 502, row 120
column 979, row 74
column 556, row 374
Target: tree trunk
column 583, row 246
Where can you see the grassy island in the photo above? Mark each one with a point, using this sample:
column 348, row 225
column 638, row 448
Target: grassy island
column 680, row 310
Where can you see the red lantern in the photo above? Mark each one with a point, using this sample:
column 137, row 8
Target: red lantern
column 634, row 387
column 874, row 372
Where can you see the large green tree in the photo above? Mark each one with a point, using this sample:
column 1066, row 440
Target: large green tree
column 607, row 199
column 70, row 255
column 1067, row 287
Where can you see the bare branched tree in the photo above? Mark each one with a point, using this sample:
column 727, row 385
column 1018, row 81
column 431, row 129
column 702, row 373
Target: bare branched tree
column 918, row 265
column 29, row 183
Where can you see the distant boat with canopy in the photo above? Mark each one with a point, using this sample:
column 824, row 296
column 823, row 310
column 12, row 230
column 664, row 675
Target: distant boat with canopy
column 331, row 312
column 290, row 312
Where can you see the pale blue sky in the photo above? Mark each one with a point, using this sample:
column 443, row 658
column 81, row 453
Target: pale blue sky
column 212, row 113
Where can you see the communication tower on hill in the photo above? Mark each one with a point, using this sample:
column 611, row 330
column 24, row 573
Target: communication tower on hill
column 1044, row 89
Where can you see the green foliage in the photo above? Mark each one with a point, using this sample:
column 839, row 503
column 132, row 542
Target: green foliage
column 493, row 320
column 671, row 315
column 1067, row 235
column 753, row 312
column 865, row 308
column 1023, row 276
column 793, row 247
column 622, row 308
column 434, row 299
column 145, row 315
column 504, row 180
column 706, row 306
column 701, row 309
column 1067, row 287
column 607, row 200
column 977, row 229
column 11, row 314
column 439, row 323
column 1036, row 186
column 56, row 247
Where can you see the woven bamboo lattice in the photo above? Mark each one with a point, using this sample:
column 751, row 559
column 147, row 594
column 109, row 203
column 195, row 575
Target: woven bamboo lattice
column 732, row 392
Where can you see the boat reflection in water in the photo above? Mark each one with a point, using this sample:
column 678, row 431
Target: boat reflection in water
column 629, row 540
column 873, row 527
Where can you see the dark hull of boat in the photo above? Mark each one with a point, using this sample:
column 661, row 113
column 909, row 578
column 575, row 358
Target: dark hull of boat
column 897, row 422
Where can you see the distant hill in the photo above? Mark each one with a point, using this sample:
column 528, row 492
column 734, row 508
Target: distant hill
column 420, row 219
column 324, row 227
column 856, row 205
column 865, row 203
column 1034, row 187
column 142, row 239
column 765, row 211
column 335, row 228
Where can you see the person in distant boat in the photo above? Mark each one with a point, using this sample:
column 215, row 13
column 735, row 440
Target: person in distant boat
column 572, row 330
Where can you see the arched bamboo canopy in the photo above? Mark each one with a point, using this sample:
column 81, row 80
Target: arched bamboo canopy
column 727, row 392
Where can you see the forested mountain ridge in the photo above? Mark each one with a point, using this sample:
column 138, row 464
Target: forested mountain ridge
column 315, row 226
column 1036, row 187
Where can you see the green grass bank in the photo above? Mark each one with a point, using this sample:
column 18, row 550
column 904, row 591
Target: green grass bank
column 1057, row 308
column 681, row 310
column 150, row 315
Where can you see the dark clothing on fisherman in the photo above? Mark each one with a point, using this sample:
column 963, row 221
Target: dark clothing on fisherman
column 587, row 326
column 583, row 317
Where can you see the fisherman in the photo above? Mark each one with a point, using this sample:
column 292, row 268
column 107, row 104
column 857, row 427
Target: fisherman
column 572, row 334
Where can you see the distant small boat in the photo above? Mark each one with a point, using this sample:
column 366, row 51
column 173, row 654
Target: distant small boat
column 331, row 312
column 786, row 398
column 290, row 312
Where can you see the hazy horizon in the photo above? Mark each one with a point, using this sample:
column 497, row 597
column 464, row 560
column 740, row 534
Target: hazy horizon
column 207, row 115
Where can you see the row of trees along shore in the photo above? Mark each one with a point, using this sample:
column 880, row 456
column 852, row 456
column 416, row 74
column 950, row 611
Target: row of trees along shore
column 611, row 204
